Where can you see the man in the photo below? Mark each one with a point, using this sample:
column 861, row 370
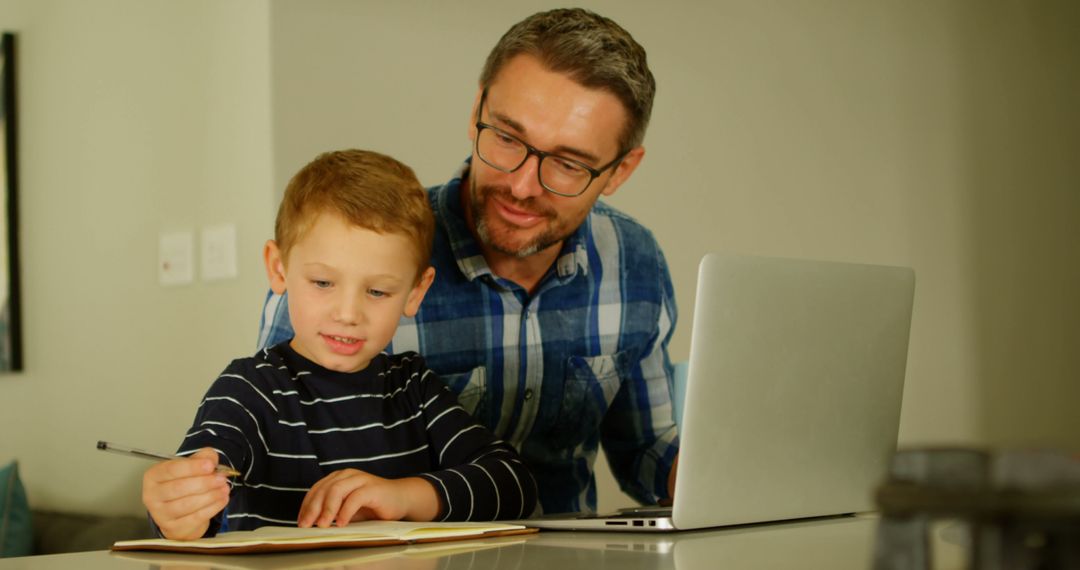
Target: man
column 550, row 313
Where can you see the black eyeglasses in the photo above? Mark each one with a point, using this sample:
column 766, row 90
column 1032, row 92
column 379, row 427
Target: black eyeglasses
column 506, row 153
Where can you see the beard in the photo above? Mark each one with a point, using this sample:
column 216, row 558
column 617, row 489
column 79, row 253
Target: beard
column 499, row 237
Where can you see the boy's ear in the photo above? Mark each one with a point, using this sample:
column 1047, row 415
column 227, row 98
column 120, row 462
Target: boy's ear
column 275, row 266
column 412, row 304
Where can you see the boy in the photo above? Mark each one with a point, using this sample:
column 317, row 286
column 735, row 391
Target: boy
column 325, row 428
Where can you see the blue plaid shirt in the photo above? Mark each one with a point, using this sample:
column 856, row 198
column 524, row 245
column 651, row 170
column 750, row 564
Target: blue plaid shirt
column 580, row 362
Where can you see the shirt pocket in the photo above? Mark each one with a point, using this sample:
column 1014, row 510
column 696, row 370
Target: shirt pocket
column 590, row 386
column 470, row 388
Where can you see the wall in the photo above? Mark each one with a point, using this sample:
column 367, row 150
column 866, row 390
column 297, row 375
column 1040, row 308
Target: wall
column 938, row 135
column 935, row 135
column 136, row 118
column 1021, row 124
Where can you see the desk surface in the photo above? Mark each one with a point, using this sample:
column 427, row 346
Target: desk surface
column 839, row 543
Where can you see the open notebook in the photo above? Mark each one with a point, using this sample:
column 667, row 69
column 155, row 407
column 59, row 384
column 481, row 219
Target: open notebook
column 426, row 555
column 355, row 535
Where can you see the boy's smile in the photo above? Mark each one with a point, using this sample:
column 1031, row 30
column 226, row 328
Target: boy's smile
column 347, row 346
column 348, row 288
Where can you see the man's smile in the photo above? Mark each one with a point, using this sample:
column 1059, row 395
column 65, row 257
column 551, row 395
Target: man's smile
column 513, row 213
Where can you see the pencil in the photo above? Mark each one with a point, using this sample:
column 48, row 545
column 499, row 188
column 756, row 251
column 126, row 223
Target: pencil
column 153, row 456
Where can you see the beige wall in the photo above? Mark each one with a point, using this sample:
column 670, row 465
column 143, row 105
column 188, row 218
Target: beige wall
column 938, row 135
column 136, row 118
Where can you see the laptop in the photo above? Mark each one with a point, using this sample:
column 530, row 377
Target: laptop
column 794, row 386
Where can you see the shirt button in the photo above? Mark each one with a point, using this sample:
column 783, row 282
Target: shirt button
column 528, row 394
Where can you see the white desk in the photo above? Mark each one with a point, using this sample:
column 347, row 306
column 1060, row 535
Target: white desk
column 836, row 544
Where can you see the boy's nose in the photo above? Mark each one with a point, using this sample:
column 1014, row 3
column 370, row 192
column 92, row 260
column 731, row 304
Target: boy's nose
column 348, row 311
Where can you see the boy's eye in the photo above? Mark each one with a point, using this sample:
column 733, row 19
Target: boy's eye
column 376, row 293
column 320, row 283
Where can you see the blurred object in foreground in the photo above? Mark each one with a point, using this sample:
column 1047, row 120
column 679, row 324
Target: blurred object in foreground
column 1018, row 510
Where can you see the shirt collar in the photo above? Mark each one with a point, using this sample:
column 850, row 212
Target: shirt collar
column 467, row 253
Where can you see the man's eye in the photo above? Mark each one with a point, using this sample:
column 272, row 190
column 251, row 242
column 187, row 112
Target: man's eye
column 568, row 167
column 505, row 139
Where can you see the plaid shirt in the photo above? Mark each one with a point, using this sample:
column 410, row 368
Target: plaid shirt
column 581, row 361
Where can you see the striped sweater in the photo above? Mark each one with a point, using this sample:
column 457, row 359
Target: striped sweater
column 285, row 423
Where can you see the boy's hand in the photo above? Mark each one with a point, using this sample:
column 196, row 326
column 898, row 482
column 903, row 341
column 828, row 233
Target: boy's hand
column 352, row 495
column 183, row 494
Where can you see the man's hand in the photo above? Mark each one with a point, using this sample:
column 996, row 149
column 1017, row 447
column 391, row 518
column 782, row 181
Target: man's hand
column 671, row 484
column 352, row 495
column 183, row 494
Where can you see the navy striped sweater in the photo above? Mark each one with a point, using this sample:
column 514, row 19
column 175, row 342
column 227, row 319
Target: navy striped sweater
column 285, row 423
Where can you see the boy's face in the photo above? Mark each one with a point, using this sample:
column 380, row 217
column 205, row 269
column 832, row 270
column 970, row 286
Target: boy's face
column 348, row 286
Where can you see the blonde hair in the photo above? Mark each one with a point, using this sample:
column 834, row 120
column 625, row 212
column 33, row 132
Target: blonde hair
column 368, row 189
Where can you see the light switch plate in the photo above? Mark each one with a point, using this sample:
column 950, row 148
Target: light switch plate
column 219, row 252
column 176, row 264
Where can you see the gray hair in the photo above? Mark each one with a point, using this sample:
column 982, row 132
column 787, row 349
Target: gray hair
column 593, row 50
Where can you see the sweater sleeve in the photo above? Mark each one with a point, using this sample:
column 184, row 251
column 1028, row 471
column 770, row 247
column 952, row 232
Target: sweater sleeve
column 226, row 421
column 478, row 476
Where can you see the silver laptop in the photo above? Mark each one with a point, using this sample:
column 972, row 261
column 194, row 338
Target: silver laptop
column 792, row 409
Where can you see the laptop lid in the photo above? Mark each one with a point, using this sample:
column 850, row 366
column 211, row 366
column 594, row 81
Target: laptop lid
column 794, row 388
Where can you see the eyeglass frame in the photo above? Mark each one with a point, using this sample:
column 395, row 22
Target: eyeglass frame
column 530, row 150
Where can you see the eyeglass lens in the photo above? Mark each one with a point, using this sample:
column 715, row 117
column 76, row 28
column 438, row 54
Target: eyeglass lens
column 506, row 153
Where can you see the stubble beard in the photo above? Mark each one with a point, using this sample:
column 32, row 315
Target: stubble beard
column 484, row 231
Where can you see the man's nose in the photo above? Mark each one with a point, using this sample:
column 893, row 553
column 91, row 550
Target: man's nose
column 525, row 181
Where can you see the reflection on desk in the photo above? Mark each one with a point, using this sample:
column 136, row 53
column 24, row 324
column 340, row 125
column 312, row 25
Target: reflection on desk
column 839, row 543
column 413, row 557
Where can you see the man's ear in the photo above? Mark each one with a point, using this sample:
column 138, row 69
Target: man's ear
column 275, row 266
column 472, row 114
column 623, row 171
column 412, row 305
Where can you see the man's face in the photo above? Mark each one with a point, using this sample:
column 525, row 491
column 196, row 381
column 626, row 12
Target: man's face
column 348, row 287
column 512, row 213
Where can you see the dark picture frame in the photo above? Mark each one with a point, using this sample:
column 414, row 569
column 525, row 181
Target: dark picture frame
column 11, row 348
